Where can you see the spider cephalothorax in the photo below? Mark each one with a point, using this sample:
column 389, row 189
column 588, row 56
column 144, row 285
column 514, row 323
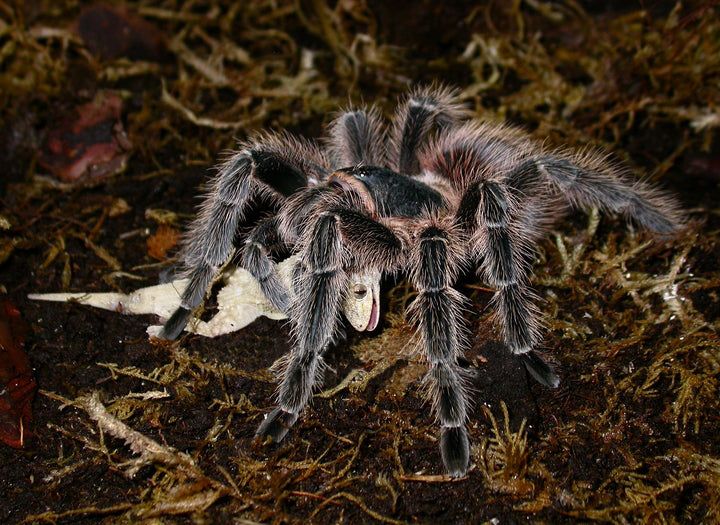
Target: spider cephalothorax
column 435, row 195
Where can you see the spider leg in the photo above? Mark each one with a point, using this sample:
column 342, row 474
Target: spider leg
column 505, row 264
column 300, row 210
column 320, row 285
column 266, row 166
column 437, row 310
column 255, row 259
column 357, row 137
column 588, row 181
column 425, row 109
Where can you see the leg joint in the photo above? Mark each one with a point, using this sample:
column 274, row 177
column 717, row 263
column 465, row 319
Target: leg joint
column 493, row 207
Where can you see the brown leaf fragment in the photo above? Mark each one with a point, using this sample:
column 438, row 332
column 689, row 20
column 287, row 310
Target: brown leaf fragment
column 7, row 247
column 163, row 240
column 118, row 207
column 111, row 32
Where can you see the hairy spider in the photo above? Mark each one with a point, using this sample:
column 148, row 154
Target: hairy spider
column 433, row 195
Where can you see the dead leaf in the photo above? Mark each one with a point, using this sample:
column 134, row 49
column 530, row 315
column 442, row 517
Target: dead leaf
column 164, row 239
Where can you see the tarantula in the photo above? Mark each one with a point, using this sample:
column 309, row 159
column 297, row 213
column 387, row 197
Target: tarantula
column 433, row 195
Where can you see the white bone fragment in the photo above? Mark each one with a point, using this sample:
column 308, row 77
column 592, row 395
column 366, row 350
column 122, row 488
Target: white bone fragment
column 240, row 301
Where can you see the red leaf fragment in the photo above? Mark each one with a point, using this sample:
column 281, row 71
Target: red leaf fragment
column 91, row 143
column 17, row 384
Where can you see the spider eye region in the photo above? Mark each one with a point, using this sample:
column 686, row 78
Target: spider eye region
column 361, row 172
column 359, row 291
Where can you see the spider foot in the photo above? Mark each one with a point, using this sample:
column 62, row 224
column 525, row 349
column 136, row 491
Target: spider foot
column 276, row 425
column 176, row 324
column 540, row 370
column 455, row 450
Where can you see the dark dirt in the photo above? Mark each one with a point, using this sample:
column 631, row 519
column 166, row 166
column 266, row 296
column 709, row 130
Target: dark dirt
column 631, row 435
